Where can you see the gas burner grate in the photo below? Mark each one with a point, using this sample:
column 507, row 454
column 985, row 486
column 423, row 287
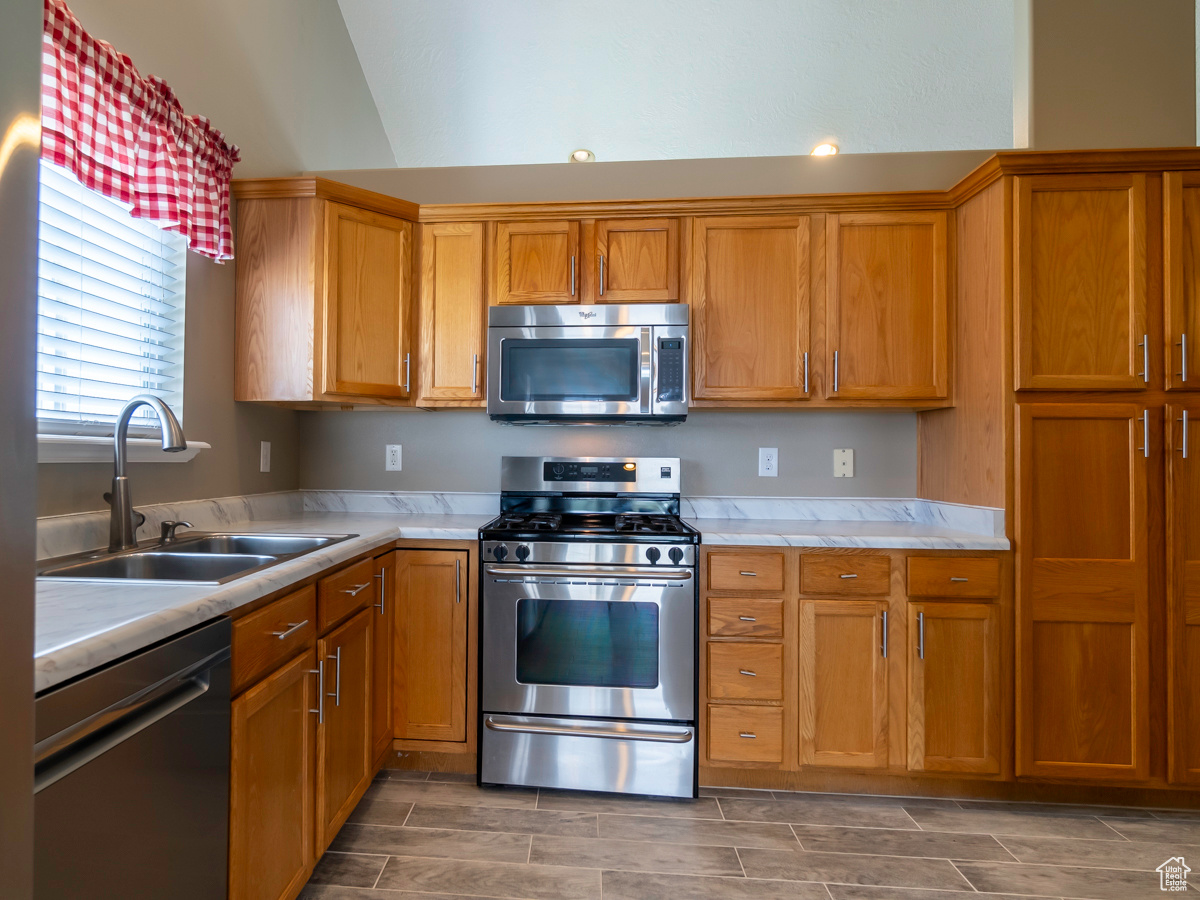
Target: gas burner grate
column 530, row 522
column 642, row 524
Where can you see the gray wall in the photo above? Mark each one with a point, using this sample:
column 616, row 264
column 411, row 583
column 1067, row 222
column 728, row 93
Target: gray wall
column 460, row 450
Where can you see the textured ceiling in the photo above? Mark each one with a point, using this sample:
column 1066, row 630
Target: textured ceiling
column 481, row 82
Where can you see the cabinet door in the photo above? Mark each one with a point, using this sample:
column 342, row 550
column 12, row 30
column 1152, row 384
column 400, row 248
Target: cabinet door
column 750, row 307
column 452, row 312
column 887, row 336
column 271, row 784
column 1183, row 592
column 344, row 734
column 1080, row 282
column 637, row 260
column 843, row 684
column 368, row 287
column 1181, row 281
column 382, row 655
column 431, row 645
column 954, row 687
column 537, row 262
column 1082, row 591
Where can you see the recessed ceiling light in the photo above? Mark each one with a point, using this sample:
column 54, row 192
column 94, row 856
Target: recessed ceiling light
column 582, row 156
column 825, row 149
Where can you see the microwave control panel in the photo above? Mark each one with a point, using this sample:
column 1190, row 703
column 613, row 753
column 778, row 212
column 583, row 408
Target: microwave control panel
column 670, row 369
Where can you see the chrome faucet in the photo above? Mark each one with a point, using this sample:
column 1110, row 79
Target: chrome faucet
column 123, row 525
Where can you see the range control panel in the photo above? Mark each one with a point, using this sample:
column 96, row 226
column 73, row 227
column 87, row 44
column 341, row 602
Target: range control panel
column 583, row 471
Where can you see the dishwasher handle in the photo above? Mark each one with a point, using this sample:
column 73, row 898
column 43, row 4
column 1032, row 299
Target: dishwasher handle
column 58, row 756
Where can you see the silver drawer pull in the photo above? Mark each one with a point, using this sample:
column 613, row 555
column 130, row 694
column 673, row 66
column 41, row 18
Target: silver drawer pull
column 747, row 734
column 747, row 672
column 748, row 618
column 955, row 578
column 749, row 574
column 851, row 575
column 292, row 628
column 616, row 732
column 356, row 590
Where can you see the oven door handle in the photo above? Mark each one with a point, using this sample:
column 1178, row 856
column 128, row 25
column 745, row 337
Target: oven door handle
column 628, row 733
column 590, row 574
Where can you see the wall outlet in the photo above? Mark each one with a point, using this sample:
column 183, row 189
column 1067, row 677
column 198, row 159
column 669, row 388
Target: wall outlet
column 768, row 462
column 843, row 463
column 391, row 460
column 264, row 456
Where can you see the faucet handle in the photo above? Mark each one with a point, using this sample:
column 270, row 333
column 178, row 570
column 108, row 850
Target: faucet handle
column 168, row 530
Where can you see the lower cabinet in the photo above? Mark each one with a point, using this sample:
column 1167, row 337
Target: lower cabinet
column 954, row 687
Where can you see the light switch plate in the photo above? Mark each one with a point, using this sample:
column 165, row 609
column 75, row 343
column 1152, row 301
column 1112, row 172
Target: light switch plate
column 768, row 462
column 264, row 456
column 843, row 463
column 391, row 461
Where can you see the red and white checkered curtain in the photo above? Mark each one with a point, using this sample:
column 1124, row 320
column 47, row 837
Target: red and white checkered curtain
column 126, row 137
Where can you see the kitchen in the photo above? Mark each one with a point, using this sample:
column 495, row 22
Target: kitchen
column 673, row 520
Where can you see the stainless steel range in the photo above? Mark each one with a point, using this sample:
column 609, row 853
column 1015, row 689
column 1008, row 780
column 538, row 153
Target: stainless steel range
column 588, row 675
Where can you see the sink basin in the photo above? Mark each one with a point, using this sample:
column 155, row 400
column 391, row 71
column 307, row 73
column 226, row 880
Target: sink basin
column 152, row 566
column 262, row 544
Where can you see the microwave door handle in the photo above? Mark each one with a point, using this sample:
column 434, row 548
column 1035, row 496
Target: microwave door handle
column 647, row 344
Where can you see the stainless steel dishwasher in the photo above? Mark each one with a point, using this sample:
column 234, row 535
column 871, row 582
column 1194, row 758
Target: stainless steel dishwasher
column 131, row 776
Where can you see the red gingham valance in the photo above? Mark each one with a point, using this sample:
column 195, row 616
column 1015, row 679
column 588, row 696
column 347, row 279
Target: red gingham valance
column 126, row 136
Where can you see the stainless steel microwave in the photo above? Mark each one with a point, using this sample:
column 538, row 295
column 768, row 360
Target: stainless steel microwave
column 576, row 365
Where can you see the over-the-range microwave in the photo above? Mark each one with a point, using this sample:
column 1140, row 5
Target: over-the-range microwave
column 577, row 365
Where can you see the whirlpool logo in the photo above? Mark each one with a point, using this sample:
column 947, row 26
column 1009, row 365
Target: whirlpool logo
column 587, row 314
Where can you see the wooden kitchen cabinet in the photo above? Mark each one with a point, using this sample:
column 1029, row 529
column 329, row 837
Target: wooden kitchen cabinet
column 1082, row 593
column 537, row 262
column 453, row 314
column 887, row 335
column 954, row 687
column 843, row 684
column 751, row 301
column 430, row 667
column 1183, row 592
column 1079, row 282
column 382, row 655
column 271, row 784
column 344, row 764
column 637, row 261
column 1181, row 279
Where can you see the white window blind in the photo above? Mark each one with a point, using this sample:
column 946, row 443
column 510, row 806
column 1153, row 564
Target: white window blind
column 110, row 311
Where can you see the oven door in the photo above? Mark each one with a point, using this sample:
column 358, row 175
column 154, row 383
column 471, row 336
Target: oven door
column 609, row 642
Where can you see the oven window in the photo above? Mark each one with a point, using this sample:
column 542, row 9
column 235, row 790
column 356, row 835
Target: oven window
column 594, row 643
column 569, row 369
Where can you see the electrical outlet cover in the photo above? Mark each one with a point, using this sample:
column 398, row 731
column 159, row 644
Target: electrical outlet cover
column 843, row 463
column 264, row 456
column 391, row 460
column 768, row 462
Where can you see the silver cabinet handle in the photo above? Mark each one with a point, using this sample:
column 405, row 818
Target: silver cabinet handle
column 748, row 618
column 747, row 734
column 381, row 575
column 356, row 590
column 921, row 635
column 1145, row 345
column 850, row 575
column 1144, row 418
column 572, row 274
column 407, row 370
column 292, row 628
column 458, row 581
column 601, row 274
column 958, row 578
column 749, row 574
column 319, row 671
column 835, row 371
column 883, row 644
column 1182, row 345
column 1183, row 438
column 337, row 678
column 806, row 371
column 747, row 672
column 475, row 374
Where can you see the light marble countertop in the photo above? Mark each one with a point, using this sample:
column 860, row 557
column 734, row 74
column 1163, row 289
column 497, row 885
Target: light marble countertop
column 810, row 533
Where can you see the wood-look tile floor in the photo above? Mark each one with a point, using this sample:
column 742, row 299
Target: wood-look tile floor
column 439, row 837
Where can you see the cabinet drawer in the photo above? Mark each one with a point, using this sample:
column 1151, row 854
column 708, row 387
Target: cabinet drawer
column 949, row 576
column 744, row 671
column 728, row 617
column 265, row 640
column 745, row 734
column 746, row 571
column 852, row 576
column 349, row 590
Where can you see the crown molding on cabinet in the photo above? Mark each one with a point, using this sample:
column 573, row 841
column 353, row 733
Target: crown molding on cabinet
column 323, row 189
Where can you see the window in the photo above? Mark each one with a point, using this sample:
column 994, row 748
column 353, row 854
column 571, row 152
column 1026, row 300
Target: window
column 110, row 311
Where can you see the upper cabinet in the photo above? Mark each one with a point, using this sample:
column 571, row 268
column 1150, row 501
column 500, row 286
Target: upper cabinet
column 1080, row 282
column 537, row 262
column 324, row 293
column 453, row 314
column 887, row 306
column 751, row 301
column 637, row 261
column 1181, row 282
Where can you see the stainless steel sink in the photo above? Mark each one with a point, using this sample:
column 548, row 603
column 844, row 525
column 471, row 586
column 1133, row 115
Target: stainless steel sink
column 192, row 558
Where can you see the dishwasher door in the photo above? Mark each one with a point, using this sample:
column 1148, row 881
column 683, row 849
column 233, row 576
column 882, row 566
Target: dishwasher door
column 132, row 776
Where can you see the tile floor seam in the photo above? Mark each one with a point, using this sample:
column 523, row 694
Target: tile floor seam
column 796, row 836
column 1112, row 828
column 741, row 865
column 969, row 882
column 380, row 875
column 911, row 818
